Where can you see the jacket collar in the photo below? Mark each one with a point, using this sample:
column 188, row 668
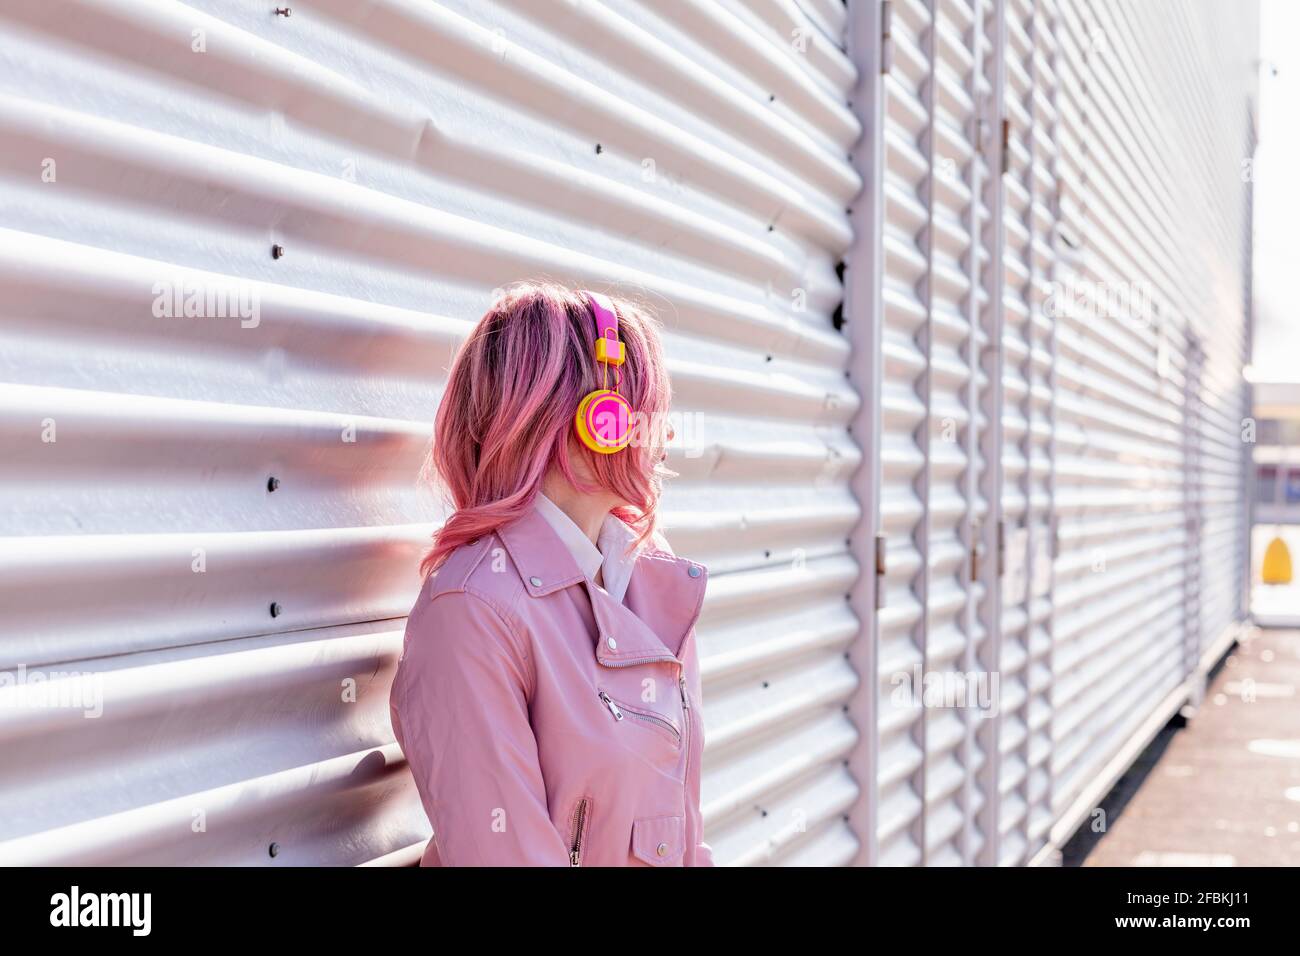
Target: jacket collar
column 612, row 556
column 586, row 554
column 544, row 561
column 663, row 600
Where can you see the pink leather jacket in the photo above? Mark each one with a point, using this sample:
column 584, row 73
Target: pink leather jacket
column 545, row 723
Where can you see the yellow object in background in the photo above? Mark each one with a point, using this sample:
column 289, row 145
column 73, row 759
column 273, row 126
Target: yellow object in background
column 1277, row 563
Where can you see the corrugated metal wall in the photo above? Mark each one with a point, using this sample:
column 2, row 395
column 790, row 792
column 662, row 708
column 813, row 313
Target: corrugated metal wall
column 935, row 243
column 1049, row 342
column 408, row 157
column 1157, row 109
column 963, row 304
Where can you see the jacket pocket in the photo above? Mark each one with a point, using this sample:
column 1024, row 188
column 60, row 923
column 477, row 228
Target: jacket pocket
column 642, row 717
column 659, row 841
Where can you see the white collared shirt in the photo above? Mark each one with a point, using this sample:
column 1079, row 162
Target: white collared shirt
column 609, row 558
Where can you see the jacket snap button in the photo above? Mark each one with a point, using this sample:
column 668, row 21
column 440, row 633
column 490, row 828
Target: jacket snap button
column 535, row 582
column 693, row 570
column 611, row 642
column 662, row 849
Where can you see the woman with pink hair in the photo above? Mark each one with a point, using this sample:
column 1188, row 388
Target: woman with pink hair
column 548, row 693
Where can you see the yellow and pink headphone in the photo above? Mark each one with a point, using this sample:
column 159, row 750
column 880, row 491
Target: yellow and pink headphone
column 603, row 419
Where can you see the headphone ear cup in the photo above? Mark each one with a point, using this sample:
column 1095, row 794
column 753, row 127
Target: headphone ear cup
column 603, row 421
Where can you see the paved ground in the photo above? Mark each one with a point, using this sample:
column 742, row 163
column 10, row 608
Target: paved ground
column 1223, row 790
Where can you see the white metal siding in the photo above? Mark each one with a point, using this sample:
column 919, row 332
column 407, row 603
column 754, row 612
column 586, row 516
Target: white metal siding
column 1057, row 483
column 953, row 794
column 1021, row 417
column 1041, row 481
column 409, row 157
column 1098, row 469
column 903, row 478
column 1157, row 121
column 1024, row 538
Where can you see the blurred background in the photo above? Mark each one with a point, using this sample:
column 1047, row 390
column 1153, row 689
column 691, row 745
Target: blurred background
column 1275, row 361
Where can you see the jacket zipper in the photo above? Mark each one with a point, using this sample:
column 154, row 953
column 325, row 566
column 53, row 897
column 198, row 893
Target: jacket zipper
column 613, row 707
column 620, row 712
column 579, row 826
column 640, row 660
column 686, row 715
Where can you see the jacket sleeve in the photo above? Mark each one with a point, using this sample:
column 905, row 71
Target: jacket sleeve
column 460, row 697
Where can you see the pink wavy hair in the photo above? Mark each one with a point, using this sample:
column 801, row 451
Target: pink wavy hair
column 507, row 414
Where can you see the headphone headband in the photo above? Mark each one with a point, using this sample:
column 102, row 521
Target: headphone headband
column 606, row 318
